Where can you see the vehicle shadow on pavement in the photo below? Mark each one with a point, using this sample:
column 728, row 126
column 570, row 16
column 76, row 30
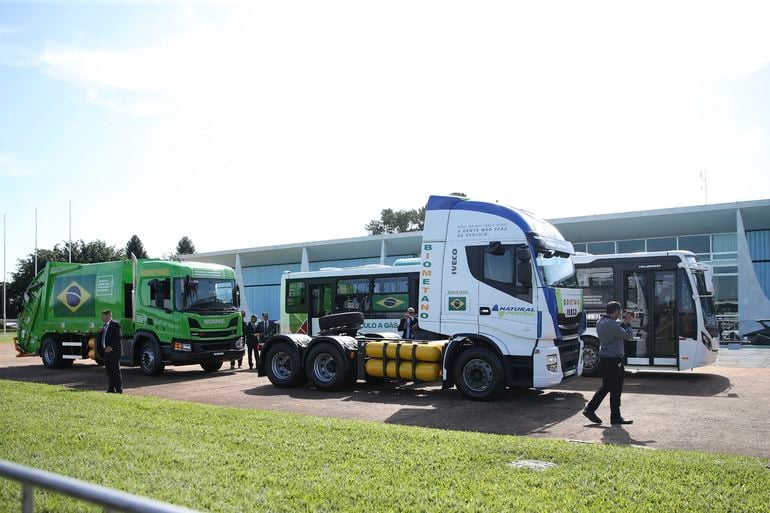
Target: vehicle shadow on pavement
column 513, row 412
column 89, row 376
column 683, row 383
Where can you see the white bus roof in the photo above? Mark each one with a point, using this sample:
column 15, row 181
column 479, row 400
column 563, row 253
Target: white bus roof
column 363, row 270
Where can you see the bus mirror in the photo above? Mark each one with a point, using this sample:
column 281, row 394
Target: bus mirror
column 524, row 275
column 523, row 254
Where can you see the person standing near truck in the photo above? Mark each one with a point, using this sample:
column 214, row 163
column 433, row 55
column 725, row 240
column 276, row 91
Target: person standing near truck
column 408, row 324
column 109, row 341
column 612, row 333
column 252, row 340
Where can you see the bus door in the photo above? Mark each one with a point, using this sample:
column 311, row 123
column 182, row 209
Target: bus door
column 321, row 304
column 652, row 296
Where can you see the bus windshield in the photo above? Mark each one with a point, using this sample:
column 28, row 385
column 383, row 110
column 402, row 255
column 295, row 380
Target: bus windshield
column 700, row 280
column 557, row 270
column 204, row 294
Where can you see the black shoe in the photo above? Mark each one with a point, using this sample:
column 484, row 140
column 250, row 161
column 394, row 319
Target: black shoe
column 592, row 417
column 621, row 420
column 119, row 391
column 110, row 391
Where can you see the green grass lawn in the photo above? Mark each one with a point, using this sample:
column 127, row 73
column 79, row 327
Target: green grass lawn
column 225, row 459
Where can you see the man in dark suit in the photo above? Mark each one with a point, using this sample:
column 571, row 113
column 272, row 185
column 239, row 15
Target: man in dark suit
column 252, row 340
column 109, row 342
column 408, row 324
column 265, row 328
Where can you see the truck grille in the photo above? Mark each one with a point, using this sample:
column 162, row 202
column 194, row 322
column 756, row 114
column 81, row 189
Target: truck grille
column 212, row 346
column 213, row 334
column 570, row 326
column 569, row 353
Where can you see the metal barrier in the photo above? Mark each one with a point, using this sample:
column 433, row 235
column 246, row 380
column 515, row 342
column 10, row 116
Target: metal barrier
column 111, row 500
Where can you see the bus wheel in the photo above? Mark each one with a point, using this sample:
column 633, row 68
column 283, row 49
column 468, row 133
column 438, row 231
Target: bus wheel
column 282, row 366
column 590, row 357
column 325, row 367
column 211, row 366
column 151, row 359
column 479, row 374
column 51, row 353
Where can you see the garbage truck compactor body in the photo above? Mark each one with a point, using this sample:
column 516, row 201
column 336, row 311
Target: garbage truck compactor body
column 170, row 313
column 495, row 293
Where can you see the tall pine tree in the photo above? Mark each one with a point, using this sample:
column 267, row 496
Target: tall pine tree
column 135, row 246
column 185, row 246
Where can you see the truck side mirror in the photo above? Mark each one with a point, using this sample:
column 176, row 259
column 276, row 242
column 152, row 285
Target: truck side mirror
column 237, row 296
column 524, row 275
column 523, row 255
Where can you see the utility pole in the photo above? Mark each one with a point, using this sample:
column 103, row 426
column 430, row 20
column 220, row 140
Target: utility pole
column 5, row 285
column 70, row 223
column 35, row 241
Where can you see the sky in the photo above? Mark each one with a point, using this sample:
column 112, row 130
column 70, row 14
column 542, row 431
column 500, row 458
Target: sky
column 244, row 124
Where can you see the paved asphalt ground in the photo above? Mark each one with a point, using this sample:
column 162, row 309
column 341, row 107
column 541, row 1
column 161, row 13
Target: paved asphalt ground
column 721, row 408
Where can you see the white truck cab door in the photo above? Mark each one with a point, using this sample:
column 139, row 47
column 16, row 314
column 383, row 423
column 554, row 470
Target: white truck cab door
column 506, row 296
column 460, row 290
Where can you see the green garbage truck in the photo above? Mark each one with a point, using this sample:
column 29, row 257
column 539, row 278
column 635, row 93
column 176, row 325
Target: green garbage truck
column 170, row 313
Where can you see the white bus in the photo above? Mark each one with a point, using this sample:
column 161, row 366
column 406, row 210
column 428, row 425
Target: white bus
column 672, row 295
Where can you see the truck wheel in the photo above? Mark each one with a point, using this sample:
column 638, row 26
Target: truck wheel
column 591, row 357
column 282, row 366
column 151, row 359
column 341, row 319
column 479, row 374
column 211, row 366
column 51, row 353
column 325, row 367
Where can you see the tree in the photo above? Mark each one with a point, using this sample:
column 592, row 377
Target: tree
column 400, row 221
column 185, row 246
column 82, row 252
column 136, row 247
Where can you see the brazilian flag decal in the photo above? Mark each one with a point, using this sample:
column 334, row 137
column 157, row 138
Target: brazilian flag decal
column 385, row 302
column 457, row 304
column 73, row 296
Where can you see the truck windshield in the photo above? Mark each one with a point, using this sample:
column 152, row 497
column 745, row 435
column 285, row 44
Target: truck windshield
column 557, row 270
column 203, row 294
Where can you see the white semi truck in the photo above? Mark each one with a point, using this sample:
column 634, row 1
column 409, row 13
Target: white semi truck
column 496, row 297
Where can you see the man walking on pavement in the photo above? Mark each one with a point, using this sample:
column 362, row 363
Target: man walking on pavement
column 109, row 343
column 612, row 333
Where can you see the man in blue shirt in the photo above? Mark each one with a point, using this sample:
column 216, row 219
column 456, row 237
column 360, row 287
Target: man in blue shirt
column 612, row 333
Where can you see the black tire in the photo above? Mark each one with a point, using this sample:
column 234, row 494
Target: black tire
column 325, row 367
column 66, row 363
column 479, row 374
column 591, row 357
column 282, row 366
column 151, row 359
column 211, row 366
column 341, row 319
column 51, row 353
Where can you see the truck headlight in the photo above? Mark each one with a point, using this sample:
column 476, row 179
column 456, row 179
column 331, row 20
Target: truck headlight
column 239, row 344
column 182, row 346
column 552, row 362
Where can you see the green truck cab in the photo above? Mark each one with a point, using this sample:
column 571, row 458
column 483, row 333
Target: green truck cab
column 170, row 313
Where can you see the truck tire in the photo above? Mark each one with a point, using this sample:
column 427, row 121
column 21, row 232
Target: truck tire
column 479, row 374
column 341, row 319
column 325, row 368
column 282, row 366
column 151, row 359
column 211, row 366
column 591, row 357
column 51, row 353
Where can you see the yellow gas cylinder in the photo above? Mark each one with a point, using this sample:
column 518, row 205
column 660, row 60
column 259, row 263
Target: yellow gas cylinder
column 92, row 354
column 425, row 371
column 426, row 352
column 91, row 343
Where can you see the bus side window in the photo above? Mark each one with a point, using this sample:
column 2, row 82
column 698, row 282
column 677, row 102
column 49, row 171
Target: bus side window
column 295, row 297
column 352, row 295
column 688, row 321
